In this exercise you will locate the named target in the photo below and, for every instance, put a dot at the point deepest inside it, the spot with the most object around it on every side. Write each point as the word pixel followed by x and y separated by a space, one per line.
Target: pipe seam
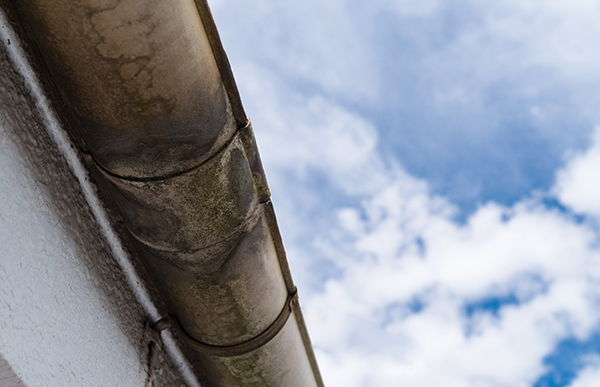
pixel 170 175
pixel 237 349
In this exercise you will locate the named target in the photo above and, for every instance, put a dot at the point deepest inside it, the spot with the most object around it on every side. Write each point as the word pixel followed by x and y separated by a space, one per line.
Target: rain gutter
pixel 153 101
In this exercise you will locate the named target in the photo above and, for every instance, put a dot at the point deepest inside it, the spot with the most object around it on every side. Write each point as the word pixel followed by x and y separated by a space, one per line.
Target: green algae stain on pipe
pixel 223 197
pixel 227 315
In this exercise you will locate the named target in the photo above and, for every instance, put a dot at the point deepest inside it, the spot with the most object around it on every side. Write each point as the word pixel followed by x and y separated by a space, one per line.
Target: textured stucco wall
pixel 67 314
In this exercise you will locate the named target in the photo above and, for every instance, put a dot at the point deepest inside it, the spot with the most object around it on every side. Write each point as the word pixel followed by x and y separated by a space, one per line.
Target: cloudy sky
pixel 435 167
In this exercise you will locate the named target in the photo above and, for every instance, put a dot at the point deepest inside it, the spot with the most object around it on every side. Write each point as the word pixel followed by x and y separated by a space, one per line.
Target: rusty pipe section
pixel 149 88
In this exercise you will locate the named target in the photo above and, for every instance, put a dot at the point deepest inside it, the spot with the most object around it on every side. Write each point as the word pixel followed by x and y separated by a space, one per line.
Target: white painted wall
pixel 55 325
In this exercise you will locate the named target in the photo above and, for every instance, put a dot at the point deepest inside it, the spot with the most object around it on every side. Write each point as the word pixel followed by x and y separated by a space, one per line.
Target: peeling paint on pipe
pixel 155 104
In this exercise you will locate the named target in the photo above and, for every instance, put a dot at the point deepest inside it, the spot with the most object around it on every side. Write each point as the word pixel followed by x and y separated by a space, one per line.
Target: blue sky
pixel 434 170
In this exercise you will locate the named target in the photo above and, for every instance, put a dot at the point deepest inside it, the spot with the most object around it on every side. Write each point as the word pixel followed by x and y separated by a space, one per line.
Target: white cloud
pixel 409 8
pixel 476 90
pixel 311 41
pixel 578 185
pixel 309 133
pixel 331 44
pixel 405 304
pixel 589 376
pixel 407 247
pixel 365 315
pixel 406 269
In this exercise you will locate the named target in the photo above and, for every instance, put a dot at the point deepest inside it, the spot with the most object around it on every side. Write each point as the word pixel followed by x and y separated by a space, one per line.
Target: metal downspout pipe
pixel 152 96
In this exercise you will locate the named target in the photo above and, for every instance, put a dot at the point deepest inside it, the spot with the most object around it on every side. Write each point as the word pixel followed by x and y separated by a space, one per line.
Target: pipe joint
pixel 194 210
pixel 237 349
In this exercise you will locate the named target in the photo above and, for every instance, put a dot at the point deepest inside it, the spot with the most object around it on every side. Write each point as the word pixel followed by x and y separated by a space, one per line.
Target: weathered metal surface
pixel 140 78
pixel 222 62
pixel 239 349
pixel 258 173
pixel 289 283
pixel 65 302
pixel 283 358
pixel 236 300
pixel 182 167
pixel 197 209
